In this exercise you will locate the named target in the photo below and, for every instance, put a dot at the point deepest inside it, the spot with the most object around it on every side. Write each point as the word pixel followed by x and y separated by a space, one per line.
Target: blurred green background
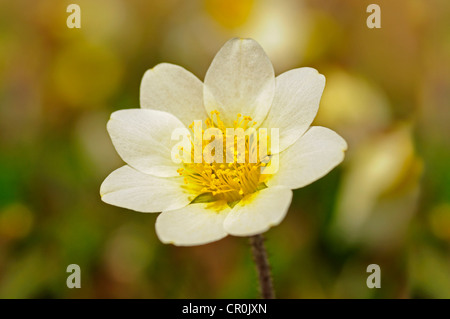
pixel 387 94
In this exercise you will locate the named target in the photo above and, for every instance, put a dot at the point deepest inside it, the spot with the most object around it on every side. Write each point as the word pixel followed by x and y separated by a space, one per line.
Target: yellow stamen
pixel 225 181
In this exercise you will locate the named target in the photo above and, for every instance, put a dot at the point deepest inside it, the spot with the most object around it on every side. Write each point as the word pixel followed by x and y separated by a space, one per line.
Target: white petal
pixel 258 212
pixel 311 157
pixel 295 104
pixel 129 188
pixel 173 89
pixel 195 224
pixel 240 80
pixel 143 140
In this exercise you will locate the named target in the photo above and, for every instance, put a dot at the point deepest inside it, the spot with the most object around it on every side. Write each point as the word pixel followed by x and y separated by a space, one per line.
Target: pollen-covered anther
pixel 227 181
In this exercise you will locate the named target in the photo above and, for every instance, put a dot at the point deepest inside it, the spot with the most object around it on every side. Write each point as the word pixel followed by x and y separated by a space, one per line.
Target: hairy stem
pixel 262 264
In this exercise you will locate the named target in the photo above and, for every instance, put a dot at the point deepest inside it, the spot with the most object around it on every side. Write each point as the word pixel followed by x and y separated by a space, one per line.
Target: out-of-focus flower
pixel 354 107
pixel 282 28
pixel 379 190
pixel 212 199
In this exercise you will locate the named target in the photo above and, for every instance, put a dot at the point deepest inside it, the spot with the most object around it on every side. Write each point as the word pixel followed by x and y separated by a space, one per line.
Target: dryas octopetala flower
pixel 204 201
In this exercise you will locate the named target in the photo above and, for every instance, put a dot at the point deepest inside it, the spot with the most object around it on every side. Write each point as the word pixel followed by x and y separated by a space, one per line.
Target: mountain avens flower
pixel 224 192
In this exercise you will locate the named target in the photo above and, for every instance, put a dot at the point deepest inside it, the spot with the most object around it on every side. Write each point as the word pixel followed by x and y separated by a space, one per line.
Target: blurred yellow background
pixel 387 94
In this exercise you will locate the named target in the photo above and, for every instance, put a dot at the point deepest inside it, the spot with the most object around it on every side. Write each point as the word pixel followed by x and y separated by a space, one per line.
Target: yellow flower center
pixel 226 179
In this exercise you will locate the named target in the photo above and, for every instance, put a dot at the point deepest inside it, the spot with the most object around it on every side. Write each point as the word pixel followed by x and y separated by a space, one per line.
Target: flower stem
pixel 262 264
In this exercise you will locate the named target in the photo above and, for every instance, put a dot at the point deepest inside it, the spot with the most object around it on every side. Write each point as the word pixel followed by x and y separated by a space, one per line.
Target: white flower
pixel 202 202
